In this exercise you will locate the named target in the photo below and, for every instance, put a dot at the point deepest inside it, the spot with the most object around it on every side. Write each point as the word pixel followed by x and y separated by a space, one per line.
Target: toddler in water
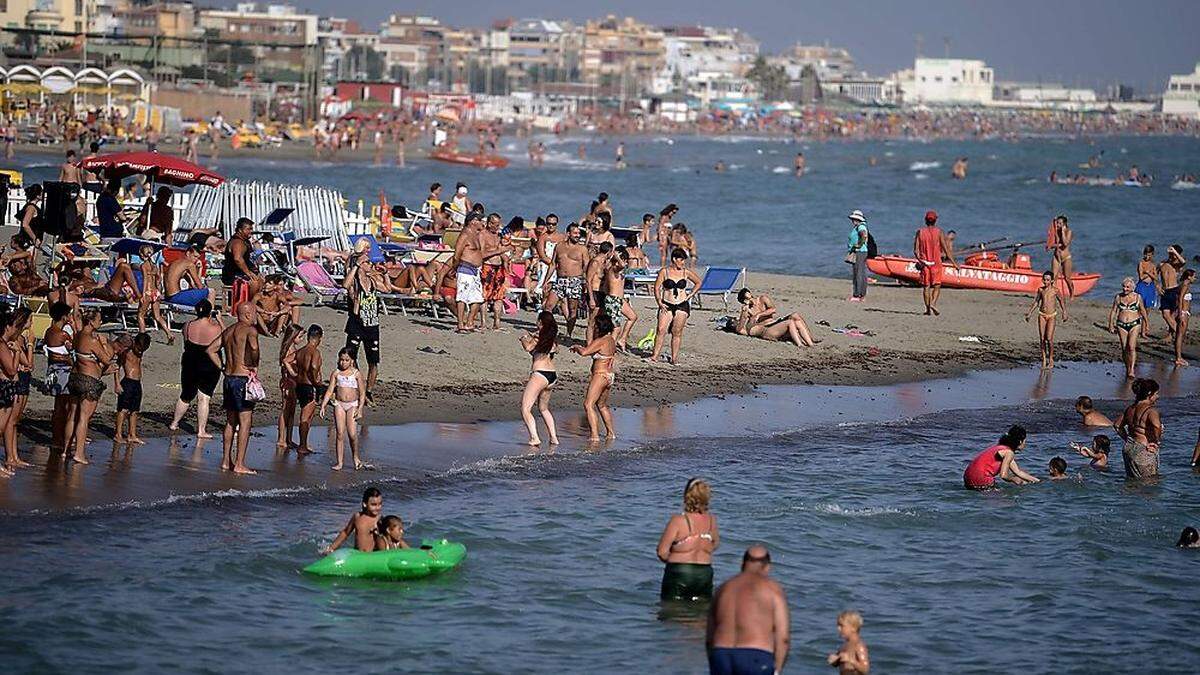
pixel 1090 417
pixel 1058 469
pixel 390 534
pixel 363 525
pixel 347 391
pixel 129 390
pixel 1098 452
pixel 852 658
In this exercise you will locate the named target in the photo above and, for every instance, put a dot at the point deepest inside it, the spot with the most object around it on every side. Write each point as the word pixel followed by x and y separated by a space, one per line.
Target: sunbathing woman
pixel 1183 312
pixel 1129 320
pixel 602 349
pixel 152 293
pixel 541 347
pixel 1045 303
pixel 674 303
pixel 762 324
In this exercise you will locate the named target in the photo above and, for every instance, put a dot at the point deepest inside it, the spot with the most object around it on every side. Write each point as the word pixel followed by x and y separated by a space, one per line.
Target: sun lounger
pixel 643 280
pixel 318 282
pixel 374 254
pixel 720 281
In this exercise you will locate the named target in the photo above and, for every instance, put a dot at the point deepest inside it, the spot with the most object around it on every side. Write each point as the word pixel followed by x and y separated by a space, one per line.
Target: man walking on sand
pixel 749 628
pixel 929 246
pixel 240 343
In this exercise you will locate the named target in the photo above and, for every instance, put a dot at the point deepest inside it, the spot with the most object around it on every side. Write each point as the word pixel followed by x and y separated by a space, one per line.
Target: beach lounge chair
pixel 720 281
pixel 374 254
pixel 318 282
pixel 645 281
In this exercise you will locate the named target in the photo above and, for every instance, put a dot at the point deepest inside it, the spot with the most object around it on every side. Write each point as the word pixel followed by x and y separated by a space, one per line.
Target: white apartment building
pixel 1044 94
pixel 705 63
pixel 829 62
pixel 950 82
pixel 1182 96
pixel 862 89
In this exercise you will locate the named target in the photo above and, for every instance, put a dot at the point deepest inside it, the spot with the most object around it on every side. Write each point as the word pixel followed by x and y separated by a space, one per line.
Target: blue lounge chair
pixel 374 254
pixel 720 281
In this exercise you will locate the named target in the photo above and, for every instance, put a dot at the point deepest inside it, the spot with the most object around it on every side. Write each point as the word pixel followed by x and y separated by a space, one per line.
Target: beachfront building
pixel 292 34
pixel 1182 96
pixel 542 50
pixel 828 62
pixel 950 82
pixel 413 48
pixel 64 15
pixel 705 63
pixel 87 87
pixel 621 56
pixel 160 19
pixel 862 89
pixel 1042 95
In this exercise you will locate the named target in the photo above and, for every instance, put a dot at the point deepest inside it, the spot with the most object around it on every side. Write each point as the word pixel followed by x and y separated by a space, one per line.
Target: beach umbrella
pixel 158 167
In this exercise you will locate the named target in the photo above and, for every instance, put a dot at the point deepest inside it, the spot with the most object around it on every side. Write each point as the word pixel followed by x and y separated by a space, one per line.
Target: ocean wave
pixel 781 169
pixel 835 509
pixel 923 166
pixel 920 176
pixel 1184 185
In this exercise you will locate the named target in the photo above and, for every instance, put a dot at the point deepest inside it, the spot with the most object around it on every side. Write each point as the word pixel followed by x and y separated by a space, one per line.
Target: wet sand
pixel 179 469
pixel 481 376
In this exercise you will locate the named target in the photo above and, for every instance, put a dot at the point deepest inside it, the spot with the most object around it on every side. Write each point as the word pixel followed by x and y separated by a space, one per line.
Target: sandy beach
pixel 480 376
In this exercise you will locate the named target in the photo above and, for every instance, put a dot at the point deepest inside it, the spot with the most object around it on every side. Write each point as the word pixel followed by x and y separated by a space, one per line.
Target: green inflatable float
pixel 434 555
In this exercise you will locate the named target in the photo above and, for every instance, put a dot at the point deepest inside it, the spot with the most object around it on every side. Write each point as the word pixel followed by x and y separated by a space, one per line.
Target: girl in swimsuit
pixel 23 349
pixel 687 544
pixel 1044 303
pixel 1183 313
pixel 664 231
pixel 8 388
pixel 1061 264
pixel 1141 428
pixel 541 346
pixel 1128 313
pixel 56 343
pixel 1147 273
pixel 347 391
pixel 674 303
pixel 602 349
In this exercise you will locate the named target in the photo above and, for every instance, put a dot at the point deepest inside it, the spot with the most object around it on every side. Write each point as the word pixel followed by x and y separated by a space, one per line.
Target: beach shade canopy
pixel 160 168
pixel 133 245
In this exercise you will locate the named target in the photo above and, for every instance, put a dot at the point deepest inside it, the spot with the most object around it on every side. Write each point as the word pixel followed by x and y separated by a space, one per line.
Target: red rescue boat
pixel 983 271
pixel 478 160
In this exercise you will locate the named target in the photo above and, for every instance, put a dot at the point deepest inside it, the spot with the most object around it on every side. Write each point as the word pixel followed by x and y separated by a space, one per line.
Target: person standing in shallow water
pixel 1141 428
pixel 749 627
pixel 687 544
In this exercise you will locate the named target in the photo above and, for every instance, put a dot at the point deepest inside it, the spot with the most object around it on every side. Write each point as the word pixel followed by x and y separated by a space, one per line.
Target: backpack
pixel 872 247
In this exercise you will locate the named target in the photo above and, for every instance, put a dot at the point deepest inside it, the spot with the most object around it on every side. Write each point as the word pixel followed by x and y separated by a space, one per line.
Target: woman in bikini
pixel 674 303
pixel 603 350
pixel 152 294
pixel 22 346
pixel 1129 319
pixel 687 544
pixel 8 390
pixel 347 389
pixel 664 231
pixel 94 358
pixel 757 319
pixel 1047 303
pixel 56 343
pixel 1141 428
pixel 1062 265
pixel 1183 312
pixel 541 347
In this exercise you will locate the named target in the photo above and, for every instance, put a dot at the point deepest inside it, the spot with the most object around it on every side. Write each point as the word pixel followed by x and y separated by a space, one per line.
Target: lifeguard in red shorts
pixel 929 246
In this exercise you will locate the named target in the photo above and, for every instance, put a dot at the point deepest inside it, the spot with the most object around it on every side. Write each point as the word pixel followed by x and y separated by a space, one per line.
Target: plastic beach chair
pixel 375 253
pixel 720 281
pixel 317 280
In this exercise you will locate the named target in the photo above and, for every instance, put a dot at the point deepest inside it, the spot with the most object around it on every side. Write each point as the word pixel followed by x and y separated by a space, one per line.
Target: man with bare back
pixel 240 344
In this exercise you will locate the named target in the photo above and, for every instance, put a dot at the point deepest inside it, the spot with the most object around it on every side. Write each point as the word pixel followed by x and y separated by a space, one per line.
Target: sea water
pixel 758 215
pixel 1076 576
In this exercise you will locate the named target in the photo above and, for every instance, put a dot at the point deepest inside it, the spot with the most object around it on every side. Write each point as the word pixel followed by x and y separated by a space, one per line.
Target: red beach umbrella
pixel 160 168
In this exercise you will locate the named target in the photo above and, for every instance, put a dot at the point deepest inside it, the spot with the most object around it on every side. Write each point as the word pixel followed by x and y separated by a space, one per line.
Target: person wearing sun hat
pixel 856 255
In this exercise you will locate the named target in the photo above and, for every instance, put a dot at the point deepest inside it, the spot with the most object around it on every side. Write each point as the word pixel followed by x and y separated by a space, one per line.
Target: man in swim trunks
pixel 468 258
pixel 748 623
pixel 186 267
pixel 492 273
pixel 239 271
pixel 548 239
pixel 929 246
pixel 240 344
pixel 1168 289
pixel 568 261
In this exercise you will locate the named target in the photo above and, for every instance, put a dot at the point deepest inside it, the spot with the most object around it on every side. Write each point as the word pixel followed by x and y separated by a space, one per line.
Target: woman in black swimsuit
pixel 542 347
pixel 674 303
pixel 198 375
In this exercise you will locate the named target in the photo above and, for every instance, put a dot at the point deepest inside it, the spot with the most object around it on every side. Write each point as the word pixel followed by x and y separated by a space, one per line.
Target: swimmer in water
pixel 999 461
pixel 362 524
pixel 687 544
pixel 1091 418
pixel 1058 468
pixel 852 658
pixel 389 534
pixel 1097 451
pixel 1047 303
pixel 1189 538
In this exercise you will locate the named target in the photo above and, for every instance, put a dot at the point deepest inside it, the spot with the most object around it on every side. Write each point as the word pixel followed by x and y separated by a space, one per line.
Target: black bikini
pixel 676 285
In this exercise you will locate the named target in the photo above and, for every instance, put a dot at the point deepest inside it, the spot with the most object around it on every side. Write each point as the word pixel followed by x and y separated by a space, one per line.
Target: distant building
pixel 64 15
pixel 705 63
pixel 1182 96
pixel 543 50
pixel 862 89
pixel 950 82
pixel 251 22
pixel 346 51
pixel 1039 93
pixel 163 19
pixel 621 56
pixel 828 62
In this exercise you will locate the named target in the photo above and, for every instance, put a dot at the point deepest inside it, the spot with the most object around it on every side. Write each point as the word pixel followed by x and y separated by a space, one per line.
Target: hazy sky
pixel 1086 42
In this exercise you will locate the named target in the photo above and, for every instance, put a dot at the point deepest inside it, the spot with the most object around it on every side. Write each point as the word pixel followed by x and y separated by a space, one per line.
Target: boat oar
pixel 983 244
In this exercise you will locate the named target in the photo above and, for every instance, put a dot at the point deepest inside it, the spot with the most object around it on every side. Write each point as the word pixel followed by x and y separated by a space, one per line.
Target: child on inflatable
pixel 362 524
pixel 390 534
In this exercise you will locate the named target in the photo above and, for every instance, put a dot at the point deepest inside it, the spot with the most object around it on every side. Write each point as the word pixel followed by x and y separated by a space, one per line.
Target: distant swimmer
pixel 999 461
pixel 719 167
pixel 621 155
pixel 1090 416
pixel 749 628
pixel 959 170
pixel 1189 538
pixel 1047 303
pixel 852 658
pixel 800 164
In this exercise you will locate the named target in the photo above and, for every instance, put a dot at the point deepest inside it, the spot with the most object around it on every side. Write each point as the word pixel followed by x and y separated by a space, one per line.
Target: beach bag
pixel 872 247
pixel 849 259
pixel 254 388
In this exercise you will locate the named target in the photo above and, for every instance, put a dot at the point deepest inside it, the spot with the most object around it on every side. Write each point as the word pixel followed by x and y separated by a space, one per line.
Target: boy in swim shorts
pixel 363 525
pixel 129 390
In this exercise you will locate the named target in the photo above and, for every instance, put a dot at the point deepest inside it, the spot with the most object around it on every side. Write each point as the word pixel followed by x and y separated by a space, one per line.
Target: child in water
pixel 1097 452
pixel 1058 469
pixel 1047 304
pixel 1091 417
pixel 347 390
pixel 362 525
pixel 852 658
pixel 390 534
